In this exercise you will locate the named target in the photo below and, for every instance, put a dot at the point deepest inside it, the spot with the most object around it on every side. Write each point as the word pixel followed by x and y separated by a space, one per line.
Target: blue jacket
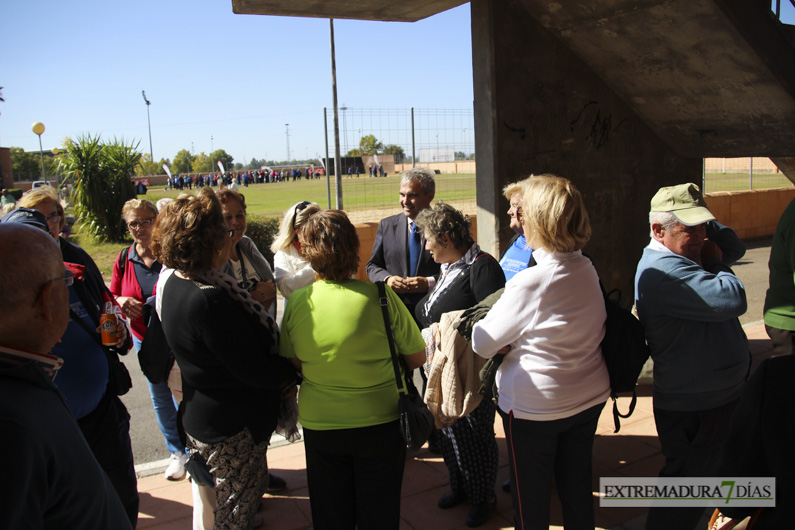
pixel 690 315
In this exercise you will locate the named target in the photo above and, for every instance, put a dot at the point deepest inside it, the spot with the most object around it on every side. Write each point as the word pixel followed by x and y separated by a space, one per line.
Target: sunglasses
pixel 298 208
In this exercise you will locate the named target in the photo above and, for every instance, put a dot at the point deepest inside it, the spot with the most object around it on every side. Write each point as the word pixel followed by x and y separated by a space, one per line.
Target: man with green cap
pixel 689 301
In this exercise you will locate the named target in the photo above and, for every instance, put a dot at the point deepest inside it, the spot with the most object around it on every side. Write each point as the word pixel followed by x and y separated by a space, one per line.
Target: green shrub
pixel 263 231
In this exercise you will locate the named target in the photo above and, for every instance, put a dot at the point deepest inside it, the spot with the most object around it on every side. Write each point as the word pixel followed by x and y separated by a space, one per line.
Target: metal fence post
pixel 751 173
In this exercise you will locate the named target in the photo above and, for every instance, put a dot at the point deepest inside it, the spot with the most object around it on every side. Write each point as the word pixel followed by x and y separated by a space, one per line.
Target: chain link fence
pixel 747 173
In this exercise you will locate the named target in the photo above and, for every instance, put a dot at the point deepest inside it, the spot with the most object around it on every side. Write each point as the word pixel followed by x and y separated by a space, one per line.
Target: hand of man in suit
pixel 417 284
pixel 398 284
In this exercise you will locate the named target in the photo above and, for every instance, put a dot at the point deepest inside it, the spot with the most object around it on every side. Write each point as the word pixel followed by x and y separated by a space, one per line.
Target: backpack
pixel 156 357
pixel 625 352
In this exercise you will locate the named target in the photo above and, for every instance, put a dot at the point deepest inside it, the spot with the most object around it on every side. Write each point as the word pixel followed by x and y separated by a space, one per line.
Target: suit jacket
pixel 390 256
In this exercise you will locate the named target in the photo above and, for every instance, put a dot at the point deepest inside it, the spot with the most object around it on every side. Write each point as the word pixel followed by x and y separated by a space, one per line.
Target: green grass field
pixel 360 196
pixel 741 181
pixel 364 199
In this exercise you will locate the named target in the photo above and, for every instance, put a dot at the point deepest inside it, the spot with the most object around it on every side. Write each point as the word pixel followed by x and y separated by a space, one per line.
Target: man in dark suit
pixel 399 257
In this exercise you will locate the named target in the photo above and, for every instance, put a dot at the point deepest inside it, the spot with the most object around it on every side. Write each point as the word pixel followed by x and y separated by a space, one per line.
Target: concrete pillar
pixel 540 109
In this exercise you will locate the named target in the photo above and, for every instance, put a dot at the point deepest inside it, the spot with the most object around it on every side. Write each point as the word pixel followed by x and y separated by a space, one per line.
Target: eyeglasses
pixel 298 208
pixel 54 218
pixel 143 223
pixel 68 278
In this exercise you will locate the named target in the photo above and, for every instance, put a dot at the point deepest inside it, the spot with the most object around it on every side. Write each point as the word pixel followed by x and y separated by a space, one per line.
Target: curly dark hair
pixel 440 219
pixel 330 244
pixel 189 232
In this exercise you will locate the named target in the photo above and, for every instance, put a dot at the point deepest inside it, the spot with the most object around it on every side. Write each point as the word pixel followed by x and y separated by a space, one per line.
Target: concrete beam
pixel 786 165
pixel 710 77
pixel 383 10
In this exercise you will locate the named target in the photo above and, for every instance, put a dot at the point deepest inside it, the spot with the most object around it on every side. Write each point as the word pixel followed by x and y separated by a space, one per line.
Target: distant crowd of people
pixel 242 178
pixel 196 286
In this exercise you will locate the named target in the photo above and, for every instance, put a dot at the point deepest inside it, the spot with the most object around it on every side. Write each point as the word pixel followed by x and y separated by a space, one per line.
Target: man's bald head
pixel 31 260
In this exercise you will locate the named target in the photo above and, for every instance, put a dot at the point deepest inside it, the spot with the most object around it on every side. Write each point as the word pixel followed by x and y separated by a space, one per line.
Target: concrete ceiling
pixel 712 78
pixel 384 10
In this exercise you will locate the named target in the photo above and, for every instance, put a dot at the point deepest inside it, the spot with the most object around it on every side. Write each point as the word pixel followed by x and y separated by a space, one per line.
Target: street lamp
pixel 38 129
pixel 149 121
pixel 212 150
pixel 343 108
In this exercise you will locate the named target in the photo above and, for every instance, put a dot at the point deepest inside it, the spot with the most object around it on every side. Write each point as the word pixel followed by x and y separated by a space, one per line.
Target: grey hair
pixel 441 219
pixel 666 219
pixel 423 175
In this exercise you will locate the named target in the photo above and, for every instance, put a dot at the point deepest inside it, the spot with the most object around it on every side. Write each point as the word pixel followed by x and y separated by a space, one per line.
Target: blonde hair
pixel 137 204
pixel 513 187
pixel 293 218
pixel 37 196
pixel 554 214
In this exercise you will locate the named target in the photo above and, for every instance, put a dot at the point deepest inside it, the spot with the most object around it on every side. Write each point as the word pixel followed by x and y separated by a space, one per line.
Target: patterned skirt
pixel 240 468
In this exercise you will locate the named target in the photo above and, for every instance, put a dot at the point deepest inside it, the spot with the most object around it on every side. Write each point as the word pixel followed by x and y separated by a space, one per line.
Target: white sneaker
pixel 176 466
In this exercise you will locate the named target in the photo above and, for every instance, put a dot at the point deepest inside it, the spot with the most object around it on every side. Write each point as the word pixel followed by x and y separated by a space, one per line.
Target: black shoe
pixel 481 512
pixel 275 484
pixel 506 486
pixel 450 499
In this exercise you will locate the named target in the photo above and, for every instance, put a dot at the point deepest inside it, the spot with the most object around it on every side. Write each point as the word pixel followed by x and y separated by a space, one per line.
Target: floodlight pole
pixel 149 121
pixel 413 157
pixel 337 159
pixel 328 182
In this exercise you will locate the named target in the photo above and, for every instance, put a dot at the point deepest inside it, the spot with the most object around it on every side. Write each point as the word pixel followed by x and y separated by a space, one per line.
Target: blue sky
pixel 79 67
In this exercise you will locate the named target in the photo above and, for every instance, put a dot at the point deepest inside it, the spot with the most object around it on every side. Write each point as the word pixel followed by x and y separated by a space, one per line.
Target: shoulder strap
pixel 383 301
pixel 471 277
pixel 123 259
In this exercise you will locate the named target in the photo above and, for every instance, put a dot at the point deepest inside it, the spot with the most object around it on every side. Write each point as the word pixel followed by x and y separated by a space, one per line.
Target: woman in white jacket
pixel 292 271
pixel 553 382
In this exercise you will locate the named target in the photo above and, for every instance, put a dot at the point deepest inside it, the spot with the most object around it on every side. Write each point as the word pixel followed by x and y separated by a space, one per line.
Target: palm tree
pixel 101 173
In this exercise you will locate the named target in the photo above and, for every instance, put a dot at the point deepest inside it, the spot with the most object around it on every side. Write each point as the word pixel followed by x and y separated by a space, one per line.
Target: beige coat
pixel 453 378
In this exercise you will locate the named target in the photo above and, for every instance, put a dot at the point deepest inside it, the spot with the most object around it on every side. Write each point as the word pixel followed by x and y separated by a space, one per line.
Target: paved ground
pixel 633 452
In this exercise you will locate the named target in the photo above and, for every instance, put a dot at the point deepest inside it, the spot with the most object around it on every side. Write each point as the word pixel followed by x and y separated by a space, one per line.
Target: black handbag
pixel 416 421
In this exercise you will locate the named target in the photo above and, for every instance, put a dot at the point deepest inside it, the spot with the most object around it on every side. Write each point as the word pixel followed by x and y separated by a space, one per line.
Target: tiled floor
pixel 634 451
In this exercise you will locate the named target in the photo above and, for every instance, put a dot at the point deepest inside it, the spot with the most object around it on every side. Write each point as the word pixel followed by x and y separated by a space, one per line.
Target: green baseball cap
pixel 685 201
